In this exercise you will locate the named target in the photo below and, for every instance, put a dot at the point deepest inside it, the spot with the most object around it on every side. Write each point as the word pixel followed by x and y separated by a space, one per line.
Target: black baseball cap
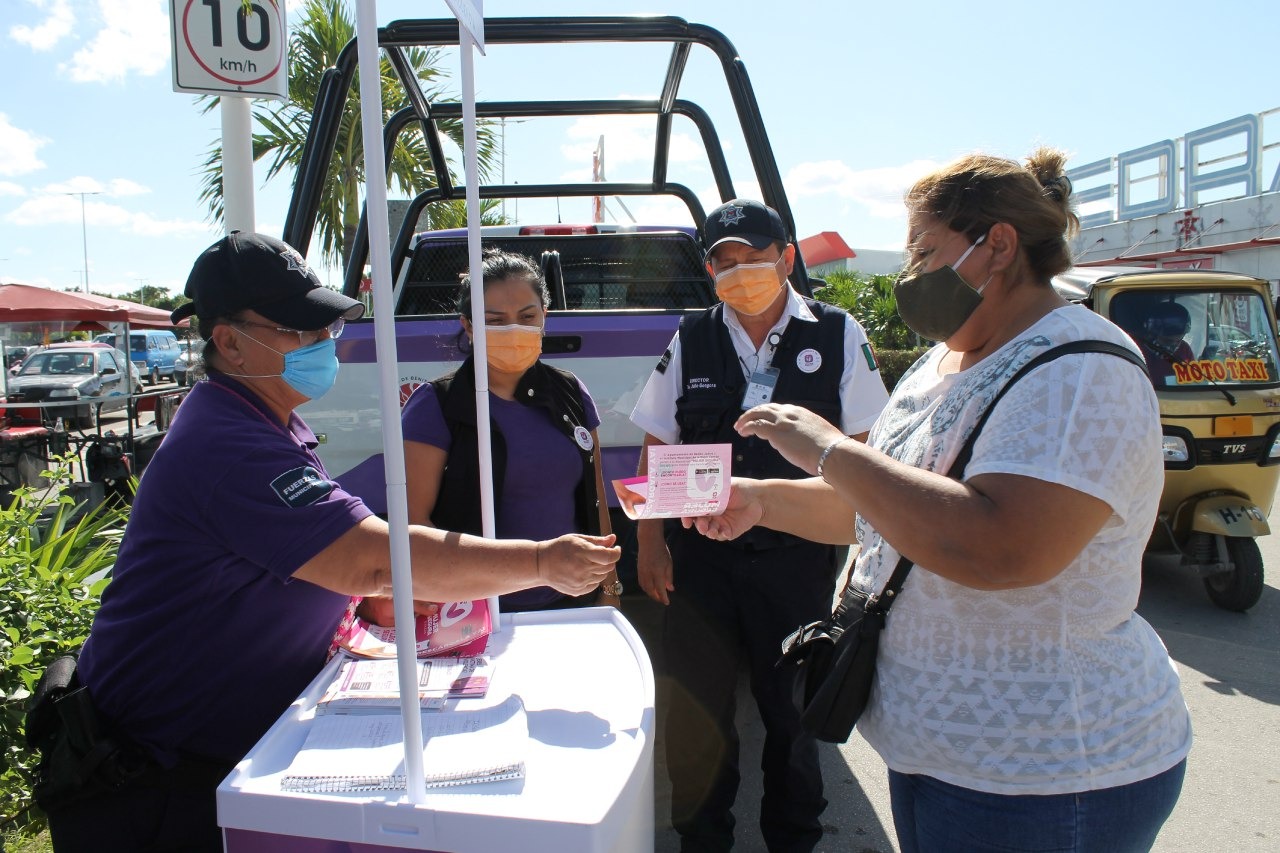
pixel 743 221
pixel 247 271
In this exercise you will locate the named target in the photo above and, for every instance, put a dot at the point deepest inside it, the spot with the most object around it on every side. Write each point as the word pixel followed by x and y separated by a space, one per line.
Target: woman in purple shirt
pixel 240 558
pixel 546 453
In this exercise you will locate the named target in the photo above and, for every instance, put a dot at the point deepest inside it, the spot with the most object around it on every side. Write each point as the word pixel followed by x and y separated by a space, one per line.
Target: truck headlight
pixel 1175 449
pixel 1274 452
pixel 64 393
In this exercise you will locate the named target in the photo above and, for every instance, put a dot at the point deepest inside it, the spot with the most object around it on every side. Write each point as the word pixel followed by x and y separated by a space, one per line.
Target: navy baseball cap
pixel 247 271
pixel 743 221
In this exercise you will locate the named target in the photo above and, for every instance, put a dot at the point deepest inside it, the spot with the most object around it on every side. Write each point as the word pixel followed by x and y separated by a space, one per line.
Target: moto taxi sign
pixel 230 47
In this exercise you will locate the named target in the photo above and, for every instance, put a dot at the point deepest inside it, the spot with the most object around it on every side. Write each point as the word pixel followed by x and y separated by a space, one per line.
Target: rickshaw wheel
pixel 1240 588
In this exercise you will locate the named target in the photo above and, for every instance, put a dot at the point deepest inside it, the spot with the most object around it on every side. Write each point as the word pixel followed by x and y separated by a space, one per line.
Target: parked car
pixel 13 357
pixel 154 351
pixel 188 357
pixel 86 376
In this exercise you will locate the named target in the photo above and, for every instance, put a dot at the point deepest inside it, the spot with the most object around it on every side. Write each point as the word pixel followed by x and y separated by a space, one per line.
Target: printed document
pixel 683 480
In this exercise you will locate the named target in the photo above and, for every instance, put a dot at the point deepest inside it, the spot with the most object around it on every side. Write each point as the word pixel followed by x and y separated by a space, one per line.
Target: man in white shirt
pixel 734 601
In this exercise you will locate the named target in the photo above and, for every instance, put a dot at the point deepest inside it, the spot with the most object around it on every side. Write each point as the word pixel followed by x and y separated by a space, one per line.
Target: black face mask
pixel 936 304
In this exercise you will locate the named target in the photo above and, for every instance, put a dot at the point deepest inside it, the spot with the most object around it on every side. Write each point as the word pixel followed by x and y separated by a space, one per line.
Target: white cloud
pixel 78 184
pixel 18 149
pixel 654 210
pixel 123 187
pixel 147 226
pixel 50 31
pixel 880 191
pixel 627 140
pixel 114 188
pixel 7 188
pixel 54 208
pixel 134 37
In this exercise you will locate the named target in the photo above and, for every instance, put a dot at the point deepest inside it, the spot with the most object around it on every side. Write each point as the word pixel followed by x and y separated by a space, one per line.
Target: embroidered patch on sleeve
pixel 301 486
pixel 664 362
pixel 870 356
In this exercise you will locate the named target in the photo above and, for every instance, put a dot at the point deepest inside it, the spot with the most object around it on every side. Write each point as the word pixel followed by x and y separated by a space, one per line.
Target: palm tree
pixel 320 34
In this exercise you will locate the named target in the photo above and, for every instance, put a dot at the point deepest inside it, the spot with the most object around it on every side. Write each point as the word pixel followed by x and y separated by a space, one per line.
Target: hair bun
pixel 1057 188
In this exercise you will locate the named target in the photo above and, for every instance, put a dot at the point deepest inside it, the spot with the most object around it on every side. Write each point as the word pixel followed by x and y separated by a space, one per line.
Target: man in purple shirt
pixel 239 560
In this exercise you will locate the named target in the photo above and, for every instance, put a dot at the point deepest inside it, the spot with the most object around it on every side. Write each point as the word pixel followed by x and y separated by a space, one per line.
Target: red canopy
pixel 24 303
pixel 824 247
pixel 140 316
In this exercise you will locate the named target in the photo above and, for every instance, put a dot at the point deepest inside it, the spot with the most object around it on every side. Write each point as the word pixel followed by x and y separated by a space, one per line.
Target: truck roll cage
pixel 398 36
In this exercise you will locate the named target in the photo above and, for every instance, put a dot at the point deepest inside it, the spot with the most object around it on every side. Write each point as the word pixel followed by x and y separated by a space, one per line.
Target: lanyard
pixel 775 338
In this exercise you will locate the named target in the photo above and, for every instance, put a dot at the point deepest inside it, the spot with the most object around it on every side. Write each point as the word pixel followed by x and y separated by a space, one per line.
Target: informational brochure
pixel 457 628
pixel 372 686
pixel 683 480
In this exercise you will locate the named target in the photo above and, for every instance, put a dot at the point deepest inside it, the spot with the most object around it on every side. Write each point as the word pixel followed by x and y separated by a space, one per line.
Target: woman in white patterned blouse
pixel 1019 703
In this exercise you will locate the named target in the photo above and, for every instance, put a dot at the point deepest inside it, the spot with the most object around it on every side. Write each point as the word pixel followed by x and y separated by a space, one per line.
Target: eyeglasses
pixel 304 338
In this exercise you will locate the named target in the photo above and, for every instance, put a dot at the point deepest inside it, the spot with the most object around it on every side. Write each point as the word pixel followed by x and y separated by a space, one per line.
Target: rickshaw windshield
pixel 1200 338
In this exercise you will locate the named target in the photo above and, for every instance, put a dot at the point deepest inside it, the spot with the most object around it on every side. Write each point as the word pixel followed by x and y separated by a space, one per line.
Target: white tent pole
pixel 384 334
pixel 466 44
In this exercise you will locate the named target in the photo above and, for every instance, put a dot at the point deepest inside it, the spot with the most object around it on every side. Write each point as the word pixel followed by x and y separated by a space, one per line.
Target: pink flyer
pixel 684 480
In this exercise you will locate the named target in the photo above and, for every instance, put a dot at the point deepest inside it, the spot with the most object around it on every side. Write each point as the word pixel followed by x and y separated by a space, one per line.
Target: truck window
pixel 661 270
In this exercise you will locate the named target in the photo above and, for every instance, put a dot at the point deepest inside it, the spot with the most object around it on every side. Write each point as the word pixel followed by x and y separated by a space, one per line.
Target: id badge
pixel 760 388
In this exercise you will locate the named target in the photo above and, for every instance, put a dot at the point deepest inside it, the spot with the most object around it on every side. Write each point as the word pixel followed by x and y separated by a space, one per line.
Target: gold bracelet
pixel 826 451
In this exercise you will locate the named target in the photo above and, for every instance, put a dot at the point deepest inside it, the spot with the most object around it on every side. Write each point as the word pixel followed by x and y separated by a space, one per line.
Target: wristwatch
pixel 614 589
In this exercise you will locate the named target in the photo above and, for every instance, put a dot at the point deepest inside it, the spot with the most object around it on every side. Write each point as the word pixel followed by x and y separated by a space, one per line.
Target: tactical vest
pixel 556 391
pixel 713 385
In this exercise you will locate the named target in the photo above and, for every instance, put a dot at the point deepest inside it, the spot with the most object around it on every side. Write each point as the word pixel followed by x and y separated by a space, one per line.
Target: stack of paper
pixel 373 687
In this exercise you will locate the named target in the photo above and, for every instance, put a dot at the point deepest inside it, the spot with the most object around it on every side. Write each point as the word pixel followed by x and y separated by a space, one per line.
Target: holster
pixel 78 755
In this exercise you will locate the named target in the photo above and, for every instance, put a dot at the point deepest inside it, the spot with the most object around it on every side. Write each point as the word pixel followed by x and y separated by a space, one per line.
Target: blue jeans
pixel 934 817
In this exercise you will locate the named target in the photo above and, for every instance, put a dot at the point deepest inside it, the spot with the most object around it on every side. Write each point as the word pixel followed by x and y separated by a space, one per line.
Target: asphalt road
pixel 1230 669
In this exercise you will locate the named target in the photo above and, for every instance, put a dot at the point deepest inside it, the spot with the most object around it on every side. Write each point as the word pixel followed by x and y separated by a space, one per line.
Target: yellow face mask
pixel 749 288
pixel 513 349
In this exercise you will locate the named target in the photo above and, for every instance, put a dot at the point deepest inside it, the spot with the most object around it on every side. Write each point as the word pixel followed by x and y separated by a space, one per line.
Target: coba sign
pixel 1224 160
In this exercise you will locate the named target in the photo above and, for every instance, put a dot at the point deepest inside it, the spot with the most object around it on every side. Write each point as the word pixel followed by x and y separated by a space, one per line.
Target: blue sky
pixel 858 98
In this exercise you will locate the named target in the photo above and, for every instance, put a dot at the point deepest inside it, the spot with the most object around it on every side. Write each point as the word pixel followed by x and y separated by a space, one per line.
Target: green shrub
pixel 894 362
pixel 870 299
pixel 55 560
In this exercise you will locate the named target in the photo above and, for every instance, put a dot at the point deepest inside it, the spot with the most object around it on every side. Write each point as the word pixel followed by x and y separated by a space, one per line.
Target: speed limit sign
pixel 230 47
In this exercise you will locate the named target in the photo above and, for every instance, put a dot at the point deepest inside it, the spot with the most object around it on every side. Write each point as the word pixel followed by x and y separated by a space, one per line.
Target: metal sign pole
pixel 237 163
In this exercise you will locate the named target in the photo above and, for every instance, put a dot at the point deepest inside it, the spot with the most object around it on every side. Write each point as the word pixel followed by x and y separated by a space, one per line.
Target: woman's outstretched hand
pixel 798 434
pixel 742 513
pixel 575 563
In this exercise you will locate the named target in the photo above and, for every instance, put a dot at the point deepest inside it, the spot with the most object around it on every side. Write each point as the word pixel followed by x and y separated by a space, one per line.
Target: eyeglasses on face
pixel 305 338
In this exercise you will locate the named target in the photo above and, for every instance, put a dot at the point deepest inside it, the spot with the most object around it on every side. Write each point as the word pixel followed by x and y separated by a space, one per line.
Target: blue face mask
pixel 309 370
pixel 312 370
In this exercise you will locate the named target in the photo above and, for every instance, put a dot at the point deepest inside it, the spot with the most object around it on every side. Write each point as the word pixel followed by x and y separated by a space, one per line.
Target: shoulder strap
pixel 443 385
pixel 956 471
pixel 884 600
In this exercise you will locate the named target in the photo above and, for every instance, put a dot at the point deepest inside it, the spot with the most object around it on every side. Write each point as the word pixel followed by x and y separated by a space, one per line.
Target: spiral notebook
pixel 345 754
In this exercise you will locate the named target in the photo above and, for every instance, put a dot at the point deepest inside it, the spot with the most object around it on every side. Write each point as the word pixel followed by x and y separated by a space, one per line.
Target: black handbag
pixel 832 663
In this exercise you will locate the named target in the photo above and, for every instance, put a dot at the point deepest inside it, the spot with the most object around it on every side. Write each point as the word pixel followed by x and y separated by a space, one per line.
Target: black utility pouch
pixel 77 758
pixel 42 722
